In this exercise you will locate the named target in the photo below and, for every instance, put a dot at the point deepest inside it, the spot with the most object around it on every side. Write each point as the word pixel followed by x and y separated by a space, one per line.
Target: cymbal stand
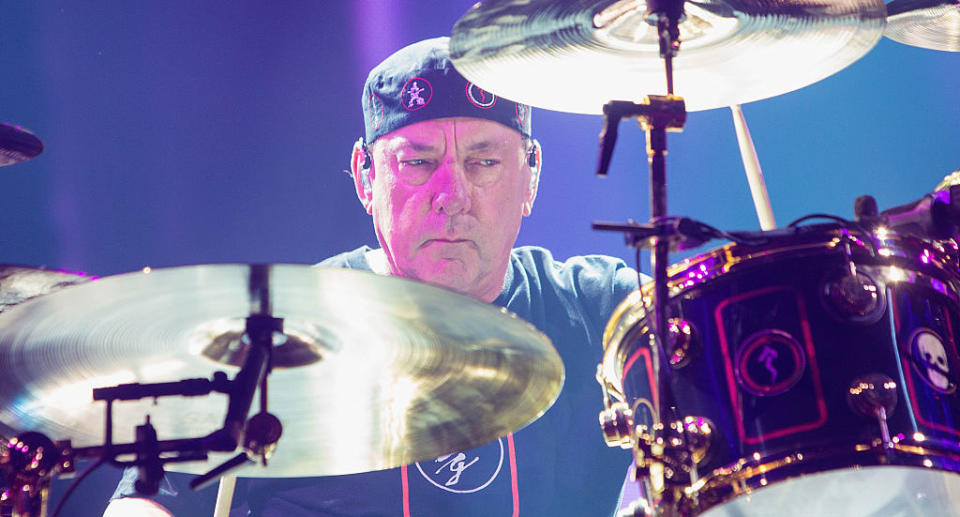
pixel 260 432
pixel 656 114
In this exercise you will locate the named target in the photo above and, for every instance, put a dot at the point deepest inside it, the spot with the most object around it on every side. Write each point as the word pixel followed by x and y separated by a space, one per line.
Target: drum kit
pixel 808 370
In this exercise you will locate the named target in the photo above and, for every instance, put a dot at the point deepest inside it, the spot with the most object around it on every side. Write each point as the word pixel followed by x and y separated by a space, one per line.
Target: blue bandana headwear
pixel 419 83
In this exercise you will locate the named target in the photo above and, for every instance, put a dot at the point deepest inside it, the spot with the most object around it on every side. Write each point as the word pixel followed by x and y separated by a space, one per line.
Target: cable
pixel 834 218
pixel 844 223
pixel 739 238
pixel 76 482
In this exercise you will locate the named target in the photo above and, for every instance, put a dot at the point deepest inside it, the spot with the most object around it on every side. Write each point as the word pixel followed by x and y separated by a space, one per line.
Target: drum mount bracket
pixel 666 454
pixel 681 232
pixel 30 460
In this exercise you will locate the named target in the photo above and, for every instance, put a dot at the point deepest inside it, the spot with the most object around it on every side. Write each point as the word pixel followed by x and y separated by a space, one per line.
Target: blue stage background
pixel 183 132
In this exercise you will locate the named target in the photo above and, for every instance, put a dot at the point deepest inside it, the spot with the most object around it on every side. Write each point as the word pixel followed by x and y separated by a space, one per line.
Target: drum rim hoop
pixel 722 487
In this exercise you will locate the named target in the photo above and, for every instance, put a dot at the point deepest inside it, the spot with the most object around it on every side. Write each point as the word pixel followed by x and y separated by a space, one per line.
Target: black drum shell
pixel 739 299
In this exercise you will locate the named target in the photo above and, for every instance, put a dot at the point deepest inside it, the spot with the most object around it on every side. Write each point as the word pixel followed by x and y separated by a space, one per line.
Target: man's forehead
pixel 431 134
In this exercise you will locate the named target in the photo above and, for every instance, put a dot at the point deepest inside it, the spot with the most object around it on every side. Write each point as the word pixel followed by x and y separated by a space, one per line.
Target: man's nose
pixel 452 188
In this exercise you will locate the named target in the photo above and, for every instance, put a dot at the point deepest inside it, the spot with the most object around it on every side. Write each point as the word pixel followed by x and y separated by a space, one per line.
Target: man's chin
pixel 450 274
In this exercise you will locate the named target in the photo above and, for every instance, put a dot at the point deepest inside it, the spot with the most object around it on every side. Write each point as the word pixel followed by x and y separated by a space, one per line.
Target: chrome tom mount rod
pixel 665 453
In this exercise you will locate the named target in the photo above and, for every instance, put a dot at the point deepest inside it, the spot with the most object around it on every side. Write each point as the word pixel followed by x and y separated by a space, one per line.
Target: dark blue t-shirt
pixel 558 465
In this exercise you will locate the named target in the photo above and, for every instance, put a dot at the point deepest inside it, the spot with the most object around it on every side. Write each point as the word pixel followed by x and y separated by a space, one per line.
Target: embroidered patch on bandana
pixel 479 97
pixel 416 94
pixel 376 111
pixel 523 111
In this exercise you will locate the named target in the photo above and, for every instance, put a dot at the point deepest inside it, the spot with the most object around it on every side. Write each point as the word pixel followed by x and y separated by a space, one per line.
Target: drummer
pixel 447 171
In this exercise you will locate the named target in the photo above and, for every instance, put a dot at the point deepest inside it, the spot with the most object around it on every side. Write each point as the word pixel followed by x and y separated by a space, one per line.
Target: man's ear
pixel 361 166
pixel 535 162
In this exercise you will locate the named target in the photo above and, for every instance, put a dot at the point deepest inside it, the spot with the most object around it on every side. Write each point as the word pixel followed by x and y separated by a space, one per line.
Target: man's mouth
pixel 445 241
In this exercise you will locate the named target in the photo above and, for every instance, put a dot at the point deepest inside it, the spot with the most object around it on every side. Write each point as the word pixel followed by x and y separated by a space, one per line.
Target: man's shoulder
pixel 353 259
pixel 535 257
pixel 577 272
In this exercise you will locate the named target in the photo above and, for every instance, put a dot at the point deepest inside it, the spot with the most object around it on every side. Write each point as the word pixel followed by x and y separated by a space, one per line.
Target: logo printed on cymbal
pixel 479 97
pixel 465 472
pixel 376 111
pixel 416 94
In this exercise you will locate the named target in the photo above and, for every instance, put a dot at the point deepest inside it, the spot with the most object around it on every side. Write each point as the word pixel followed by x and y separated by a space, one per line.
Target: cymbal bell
pixel 377 372
pixel 577 55
pixel 17 144
pixel 932 24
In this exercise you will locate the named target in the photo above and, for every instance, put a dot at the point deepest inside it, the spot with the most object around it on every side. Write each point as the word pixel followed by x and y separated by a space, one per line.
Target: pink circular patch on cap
pixel 376 111
pixel 416 94
pixel 479 97
pixel 523 112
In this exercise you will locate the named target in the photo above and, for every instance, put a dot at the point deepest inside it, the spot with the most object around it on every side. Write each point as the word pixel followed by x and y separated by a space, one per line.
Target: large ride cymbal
pixel 17 144
pixel 21 283
pixel 933 24
pixel 577 55
pixel 380 371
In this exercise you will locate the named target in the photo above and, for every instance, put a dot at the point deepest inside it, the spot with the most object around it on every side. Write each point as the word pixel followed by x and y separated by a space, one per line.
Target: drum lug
pixel 854 297
pixel 668 455
pixel 851 294
pixel 698 433
pixel 682 343
pixel 874 396
pixel 679 445
pixel 617 422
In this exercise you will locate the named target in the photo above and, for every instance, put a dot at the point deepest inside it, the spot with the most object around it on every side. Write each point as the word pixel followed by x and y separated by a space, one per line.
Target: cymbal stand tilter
pixel 261 432
pixel 31 460
pixel 661 463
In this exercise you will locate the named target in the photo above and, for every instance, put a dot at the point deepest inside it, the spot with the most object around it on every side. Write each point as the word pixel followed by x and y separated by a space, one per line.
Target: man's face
pixel 447 197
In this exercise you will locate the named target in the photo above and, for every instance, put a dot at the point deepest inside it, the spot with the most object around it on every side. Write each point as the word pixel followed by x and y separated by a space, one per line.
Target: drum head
pixel 883 491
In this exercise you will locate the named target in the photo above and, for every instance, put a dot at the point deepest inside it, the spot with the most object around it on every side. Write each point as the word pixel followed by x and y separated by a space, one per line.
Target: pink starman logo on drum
pixel 767 356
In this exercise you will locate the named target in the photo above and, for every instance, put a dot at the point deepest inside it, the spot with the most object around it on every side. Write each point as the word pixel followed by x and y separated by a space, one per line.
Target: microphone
pixel 935 215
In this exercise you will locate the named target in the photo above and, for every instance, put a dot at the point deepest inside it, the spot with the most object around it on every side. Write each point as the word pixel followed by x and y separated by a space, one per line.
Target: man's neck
pixel 377 260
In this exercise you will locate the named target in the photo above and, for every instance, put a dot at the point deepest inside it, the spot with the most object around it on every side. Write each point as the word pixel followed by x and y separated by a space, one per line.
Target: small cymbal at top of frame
pixel 932 24
pixel 17 144
pixel 577 55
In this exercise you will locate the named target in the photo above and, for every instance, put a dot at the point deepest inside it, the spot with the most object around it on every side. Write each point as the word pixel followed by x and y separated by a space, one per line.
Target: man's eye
pixel 487 163
pixel 414 163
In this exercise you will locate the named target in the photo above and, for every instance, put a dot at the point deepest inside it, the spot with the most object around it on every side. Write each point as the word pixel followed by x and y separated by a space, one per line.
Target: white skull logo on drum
pixel 931 359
